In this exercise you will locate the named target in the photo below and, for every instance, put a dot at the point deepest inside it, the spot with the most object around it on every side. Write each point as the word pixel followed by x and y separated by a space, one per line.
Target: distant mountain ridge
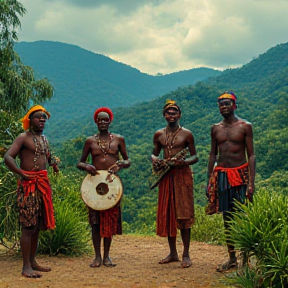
pixel 84 80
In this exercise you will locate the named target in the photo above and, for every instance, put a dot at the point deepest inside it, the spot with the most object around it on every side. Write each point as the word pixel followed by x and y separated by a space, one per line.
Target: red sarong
pixel 40 183
pixel 175 202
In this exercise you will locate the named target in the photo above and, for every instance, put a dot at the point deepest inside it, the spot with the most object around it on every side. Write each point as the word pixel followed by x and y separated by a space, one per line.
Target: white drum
pixel 102 191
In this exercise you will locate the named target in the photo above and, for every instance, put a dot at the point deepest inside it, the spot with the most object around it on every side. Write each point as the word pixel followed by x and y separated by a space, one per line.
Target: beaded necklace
pixel 41 148
pixel 169 144
pixel 104 145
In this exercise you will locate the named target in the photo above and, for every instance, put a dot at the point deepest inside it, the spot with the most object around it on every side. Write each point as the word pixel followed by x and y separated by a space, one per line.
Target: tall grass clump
pixel 71 235
pixel 208 228
pixel 260 232
pixel 9 224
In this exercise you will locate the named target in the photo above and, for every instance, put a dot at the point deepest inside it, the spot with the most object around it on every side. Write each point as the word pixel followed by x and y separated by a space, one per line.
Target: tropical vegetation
pixel 259 230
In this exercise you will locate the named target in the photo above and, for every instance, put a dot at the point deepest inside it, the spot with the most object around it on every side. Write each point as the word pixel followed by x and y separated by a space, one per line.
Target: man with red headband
pixel 231 166
pixel 104 148
pixel 175 195
pixel 34 195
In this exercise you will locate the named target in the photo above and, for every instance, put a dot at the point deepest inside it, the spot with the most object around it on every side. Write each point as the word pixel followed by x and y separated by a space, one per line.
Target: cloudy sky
pixel 161 36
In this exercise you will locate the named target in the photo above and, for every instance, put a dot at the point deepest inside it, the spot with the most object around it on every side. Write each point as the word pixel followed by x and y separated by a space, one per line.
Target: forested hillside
pixel 263 102
pixel 83 80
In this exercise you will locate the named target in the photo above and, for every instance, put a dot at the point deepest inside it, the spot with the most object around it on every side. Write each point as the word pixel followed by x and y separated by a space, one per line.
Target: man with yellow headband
pixel 175 195
pixel 231 166
pixel 34 195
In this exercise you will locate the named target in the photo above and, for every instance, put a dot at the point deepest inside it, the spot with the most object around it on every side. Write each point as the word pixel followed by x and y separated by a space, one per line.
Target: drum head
pixel 102 191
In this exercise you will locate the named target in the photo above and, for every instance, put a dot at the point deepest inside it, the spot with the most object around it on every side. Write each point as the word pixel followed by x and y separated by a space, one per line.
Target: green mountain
pixel 262 90
pixel 262 101
pixel 84 80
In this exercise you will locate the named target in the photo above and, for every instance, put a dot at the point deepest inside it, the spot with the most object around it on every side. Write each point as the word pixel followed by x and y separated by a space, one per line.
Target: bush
pixel 208 228
pixel 261 231
pixel 71 235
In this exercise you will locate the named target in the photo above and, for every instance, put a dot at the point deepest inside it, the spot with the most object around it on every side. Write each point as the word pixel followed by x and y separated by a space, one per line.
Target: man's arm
pixel 82 165
pixel 213 152
pixel 251 157
pixel 125 163
pixel 12 153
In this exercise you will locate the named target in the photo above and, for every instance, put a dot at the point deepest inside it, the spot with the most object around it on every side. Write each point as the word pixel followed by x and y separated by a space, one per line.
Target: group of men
pixel 231 173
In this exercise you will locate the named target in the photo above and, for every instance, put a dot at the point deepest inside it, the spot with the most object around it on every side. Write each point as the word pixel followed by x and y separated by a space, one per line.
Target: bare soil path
pixel 137 266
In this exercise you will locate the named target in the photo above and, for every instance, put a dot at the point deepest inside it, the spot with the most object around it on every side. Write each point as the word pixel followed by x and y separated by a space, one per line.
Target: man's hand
pixel 250 192
pixel 26 176
pixel 91 169
pixel 177 162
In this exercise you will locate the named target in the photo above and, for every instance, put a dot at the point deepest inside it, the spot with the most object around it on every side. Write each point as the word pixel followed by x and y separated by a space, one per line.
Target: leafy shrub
pixel 261 231
pixel 71 235
pixel 208 228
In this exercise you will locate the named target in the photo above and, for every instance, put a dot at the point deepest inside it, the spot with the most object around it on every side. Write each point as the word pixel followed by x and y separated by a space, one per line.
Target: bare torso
pixel 28 151
pixel 231 142
pixel 173 142
pixel 104 152
pixel 101 160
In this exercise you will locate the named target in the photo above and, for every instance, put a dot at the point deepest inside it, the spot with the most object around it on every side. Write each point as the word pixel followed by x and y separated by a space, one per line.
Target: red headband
pixel 103 109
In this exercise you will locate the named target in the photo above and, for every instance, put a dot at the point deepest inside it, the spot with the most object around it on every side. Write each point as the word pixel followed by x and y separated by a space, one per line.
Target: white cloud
pixel 161 36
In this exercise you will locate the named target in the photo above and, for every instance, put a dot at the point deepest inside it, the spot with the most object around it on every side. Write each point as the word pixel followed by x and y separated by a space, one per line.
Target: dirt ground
pixel 137 266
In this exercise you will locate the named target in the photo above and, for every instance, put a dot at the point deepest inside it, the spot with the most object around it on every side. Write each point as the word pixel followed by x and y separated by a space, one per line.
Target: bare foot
pixel 170 258
pixel 227 265
pixel 108 262
pixel 30 273
pixel 186 262
pixel 96 263
pixel 36 267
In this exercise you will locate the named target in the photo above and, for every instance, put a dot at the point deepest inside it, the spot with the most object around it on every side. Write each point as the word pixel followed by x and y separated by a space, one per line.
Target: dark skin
pixel 24 147
pixel 232 146
pixel 184 139
pixel 111 162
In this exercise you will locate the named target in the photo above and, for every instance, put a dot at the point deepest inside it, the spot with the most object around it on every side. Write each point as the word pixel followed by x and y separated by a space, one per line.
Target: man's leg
pixel 185 234
pixel 33 251
pixel 232 261
pixel 231 251
pixel 106 259
pixel 96 238
pixel 25 243
pixel 173 256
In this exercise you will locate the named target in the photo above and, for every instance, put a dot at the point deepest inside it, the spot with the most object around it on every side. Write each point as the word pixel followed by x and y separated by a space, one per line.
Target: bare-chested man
pixel 175 199
pixel 104 149
pixel 231 177
pixel 34 195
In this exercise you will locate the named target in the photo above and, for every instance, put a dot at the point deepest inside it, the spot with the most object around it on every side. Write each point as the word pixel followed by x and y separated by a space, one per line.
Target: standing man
pixel 175 199
pixel 34 195
pixel 104 149
pixel 231 167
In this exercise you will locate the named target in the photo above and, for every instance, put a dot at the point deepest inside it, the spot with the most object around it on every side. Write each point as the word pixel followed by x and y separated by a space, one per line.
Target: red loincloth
pixel 109 220
pixel 40 183
pixel 236 177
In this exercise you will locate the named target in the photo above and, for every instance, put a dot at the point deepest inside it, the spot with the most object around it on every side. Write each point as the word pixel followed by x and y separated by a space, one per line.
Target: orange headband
pixel 26 120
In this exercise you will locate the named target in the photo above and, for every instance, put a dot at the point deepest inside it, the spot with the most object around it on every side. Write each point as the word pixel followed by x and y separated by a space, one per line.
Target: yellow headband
pixel 26 121
pixel 227 95
pixel 171 104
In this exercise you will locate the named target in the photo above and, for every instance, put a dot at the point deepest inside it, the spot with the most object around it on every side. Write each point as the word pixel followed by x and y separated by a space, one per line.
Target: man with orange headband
pixel 175 195
pixel 34 195
pixel 231 166
pixel 104 148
